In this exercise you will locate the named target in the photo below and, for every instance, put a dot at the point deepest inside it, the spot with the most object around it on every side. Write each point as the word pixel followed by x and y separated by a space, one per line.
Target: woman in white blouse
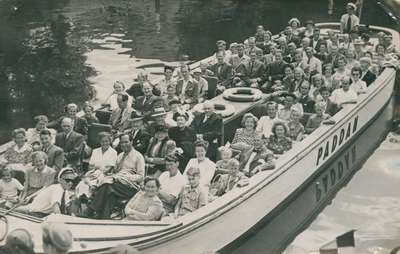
pixel 206 166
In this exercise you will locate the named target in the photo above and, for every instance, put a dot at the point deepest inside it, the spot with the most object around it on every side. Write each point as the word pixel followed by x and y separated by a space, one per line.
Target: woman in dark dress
pixel 184 138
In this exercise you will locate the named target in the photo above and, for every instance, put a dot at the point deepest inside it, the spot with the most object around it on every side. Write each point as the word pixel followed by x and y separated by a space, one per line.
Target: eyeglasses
pixel 68 180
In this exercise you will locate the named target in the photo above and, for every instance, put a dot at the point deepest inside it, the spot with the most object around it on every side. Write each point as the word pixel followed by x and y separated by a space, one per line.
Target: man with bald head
pixel 72 144
pixel 208 126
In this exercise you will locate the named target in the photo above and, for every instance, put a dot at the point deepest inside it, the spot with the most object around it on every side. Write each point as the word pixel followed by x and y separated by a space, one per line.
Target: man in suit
pixel 256 158
pixel 275 71
pixel 330 58
pixel 236 60
pixel 72 145
pixel 221 46
pixel 313 62
pixel 250 73
pixel 223 71
pixel 305 100
pixel 253 48
pixel 208 126
pixel 367 76
pixel 147 103
pixel 290 37
pixel 119 117
pixel 187 88
pixel 55 155
pixel 316 39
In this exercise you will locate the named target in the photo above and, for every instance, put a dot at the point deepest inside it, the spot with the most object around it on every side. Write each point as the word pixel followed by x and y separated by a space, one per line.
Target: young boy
pixel 170 96
pixel 222 166
pixel 192 196
pixel 112 99
pixel 317 119
pixel 205 71
pixel 330 107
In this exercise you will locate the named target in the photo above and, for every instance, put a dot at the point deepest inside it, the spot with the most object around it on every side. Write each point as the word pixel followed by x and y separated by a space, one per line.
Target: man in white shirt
pixel 172 183
pixel 266 122
pixel 315 63
pixel 345 95
pixel 349 21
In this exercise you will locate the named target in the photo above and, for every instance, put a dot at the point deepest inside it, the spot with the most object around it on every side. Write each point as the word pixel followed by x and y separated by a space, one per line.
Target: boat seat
pixel 212 86
pixel 20 176
pixel 103 115
pixel 94 131
pixel 259 111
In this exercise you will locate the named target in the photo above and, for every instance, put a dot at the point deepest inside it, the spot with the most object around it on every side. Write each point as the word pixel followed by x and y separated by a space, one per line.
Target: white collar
pixel 23 149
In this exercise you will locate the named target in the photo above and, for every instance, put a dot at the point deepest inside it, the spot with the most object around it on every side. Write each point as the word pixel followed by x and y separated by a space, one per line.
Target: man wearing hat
pixel 250 73
pixel 290 100
pixel 221 46
pixel 367 76
pixel 57 238
pixel 349 21
pixel 53 199
pixel 159 147
pixel 141 138
pixel 158 116
pixel 148 102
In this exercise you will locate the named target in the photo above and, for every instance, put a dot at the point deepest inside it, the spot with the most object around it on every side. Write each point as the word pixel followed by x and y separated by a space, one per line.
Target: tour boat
pixel 273 208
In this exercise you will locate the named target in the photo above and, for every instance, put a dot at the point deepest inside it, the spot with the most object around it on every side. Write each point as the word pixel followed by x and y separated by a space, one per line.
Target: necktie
pixel 62 205
pixel 349 24
pixel 251 67
pixel 309 60
pixel 205 119
pixel 119 120
pixel 121 162
pixel 219 68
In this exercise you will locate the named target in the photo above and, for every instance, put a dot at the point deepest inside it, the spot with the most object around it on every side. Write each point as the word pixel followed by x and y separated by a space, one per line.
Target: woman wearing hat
pixel 158 116
pixel 309 29
pixel 184 138
pixel 159 147
pixel 294 23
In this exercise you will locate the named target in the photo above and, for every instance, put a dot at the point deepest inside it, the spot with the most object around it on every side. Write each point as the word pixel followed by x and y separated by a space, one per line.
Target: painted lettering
pixel 334 142
pixel 326 154
pixel 325 182
pixel 318 192
pixel 320 150
pixel 355 124
pixel 341 136
pixel 333 176
pixel 353 155
pixel 340 169
pixel 348 131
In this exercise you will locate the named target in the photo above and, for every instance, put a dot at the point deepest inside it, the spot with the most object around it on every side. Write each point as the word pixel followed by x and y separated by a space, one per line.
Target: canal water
pixel 56 52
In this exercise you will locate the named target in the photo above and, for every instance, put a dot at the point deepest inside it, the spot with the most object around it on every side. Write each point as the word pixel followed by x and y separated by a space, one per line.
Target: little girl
pixel 296 129
pixel 316 82
pixel 9 188
pixel 112 99
pixel 222 166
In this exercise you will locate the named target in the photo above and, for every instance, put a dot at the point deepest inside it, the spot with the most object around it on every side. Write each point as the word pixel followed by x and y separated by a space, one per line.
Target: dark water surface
pixel 56 52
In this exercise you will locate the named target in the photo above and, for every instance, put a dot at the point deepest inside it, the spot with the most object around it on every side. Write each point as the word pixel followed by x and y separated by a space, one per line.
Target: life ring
pixel 243 94
pixel 223 110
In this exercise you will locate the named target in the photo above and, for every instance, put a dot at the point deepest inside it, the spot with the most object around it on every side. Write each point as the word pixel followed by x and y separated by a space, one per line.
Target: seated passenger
pixel 321 51
pixel 38 177
pixel 250 73
pixel 305 100
pixel 290 57
pixel 290 101
pixel 317 81
pixel 148 102
pixel 172 183
pixel 203 85
pixel 283 46
pixel 238 59
pixel 170 96
pixel 136 90
pixel 55 155
pixel 341 71
pixel 223 71
pixel 20 152
pixel 315 63
pixel 351 62
pixel 367 76
pixel 309 32
pixel 221 47
pixel 222 167
pixel 141 138
pixel 379 54
pixel 278 143
pixel 330 81
pixel 233 49
pixel 296 129
pixel 390 47
pixel 193 196
pixel 119 117
pixel 145 205
pixel 90 118
pixel 259 36
pixel 244 136
pixel 187 89
pixel 10 189
pixel 33 134
pixel 317 119
pixel 53 199
pixel 330 107
pixel 79 124
pixel 316 40
pixel 345 95
pixel 275 71
pixel 158 116
pixel 101 163
pixel 269 57
pixel 204 70
pixel 226 182
pixel 288 83
pixel 266 122
pixel 168 80
pixel 72 145
pixel 123 183
pixel 256 158
pixel 358 85
pixel 294 23
pixel 204 164
pixel 332 56
pixel 159 147
pixel 265 43
pixel 175 107
pixel 111 101
pixel 346 44
pixel 253 48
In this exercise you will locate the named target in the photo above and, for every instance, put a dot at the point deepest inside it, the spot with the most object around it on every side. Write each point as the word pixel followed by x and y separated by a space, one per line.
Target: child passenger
pixel 119 87
pixel 9 188
pixel 222 166
pixel 317 119
pixel 193 196
pixel 296 129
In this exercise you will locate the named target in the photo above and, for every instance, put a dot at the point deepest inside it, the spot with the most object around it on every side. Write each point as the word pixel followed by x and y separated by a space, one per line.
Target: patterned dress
pixel 14 155
pixel 243 136
pixel 279 147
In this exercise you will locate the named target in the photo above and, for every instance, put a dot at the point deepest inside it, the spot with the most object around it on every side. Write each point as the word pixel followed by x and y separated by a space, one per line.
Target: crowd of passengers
pixel 160 160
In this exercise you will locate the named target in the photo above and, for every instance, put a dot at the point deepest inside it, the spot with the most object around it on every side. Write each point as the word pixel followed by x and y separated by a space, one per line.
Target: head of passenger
pixel 282 42
pixel 387 40
pixel 249 122
pixel 151 186
pixel 252 42
pixel 380 49
pixel 289 100
pixel 319 108
pixel 272 48
pixel 39 160
pixel 334 50
pixel 193 176
pixel 298 57
pixel 309 52
pixel 197 75
pixel 298 74
pixel 305 42
pixel 119 86
pixel 105 140
pixel 260 29
pixel 292 47
pixel 341 62
pixel 66 178
pixel 252 56
pixel 161 132
pixel 322 48
pixel 267 36
pixel 365 63
pixel 142 77
pixel 327 69
pixel 126 141
pixel 305 88
pixel 240 49
pixel 136 121
pixel 175 105
pixel 203 66
pixel 57 238
pixel 66 125
pixel 324 92
pixel 272 108
pixel 346 82
pixel 147 89
pixel 122 100
pixel 369 55
pixel 258 141
pixel 40 122
pixel 233 165
pixel 288 70
pixel 200 150
pixel 233 48
pixel 181 120
pixel 7 174
pixel 280 129
pixel 316 33
pixel 350 54
pixel 185 69
pixel 226 154
pixel 71 110
pixel 289 30
pixel 278 56
pixel 45 138
pixel 295 115
pixel 221 45
pixel 208 108
pixel 20 241
pixel 88 110
pixel 356 73
pixel 168 72
pixel 172 164
pixel 317 80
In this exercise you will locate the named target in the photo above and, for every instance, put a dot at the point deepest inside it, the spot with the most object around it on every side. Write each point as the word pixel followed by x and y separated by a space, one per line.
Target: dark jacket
pixel 72 147
pixel 225 76
pixel 55 157
pixel 257 71
pixel 369 78
pixel 308 104
pixel 141 141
